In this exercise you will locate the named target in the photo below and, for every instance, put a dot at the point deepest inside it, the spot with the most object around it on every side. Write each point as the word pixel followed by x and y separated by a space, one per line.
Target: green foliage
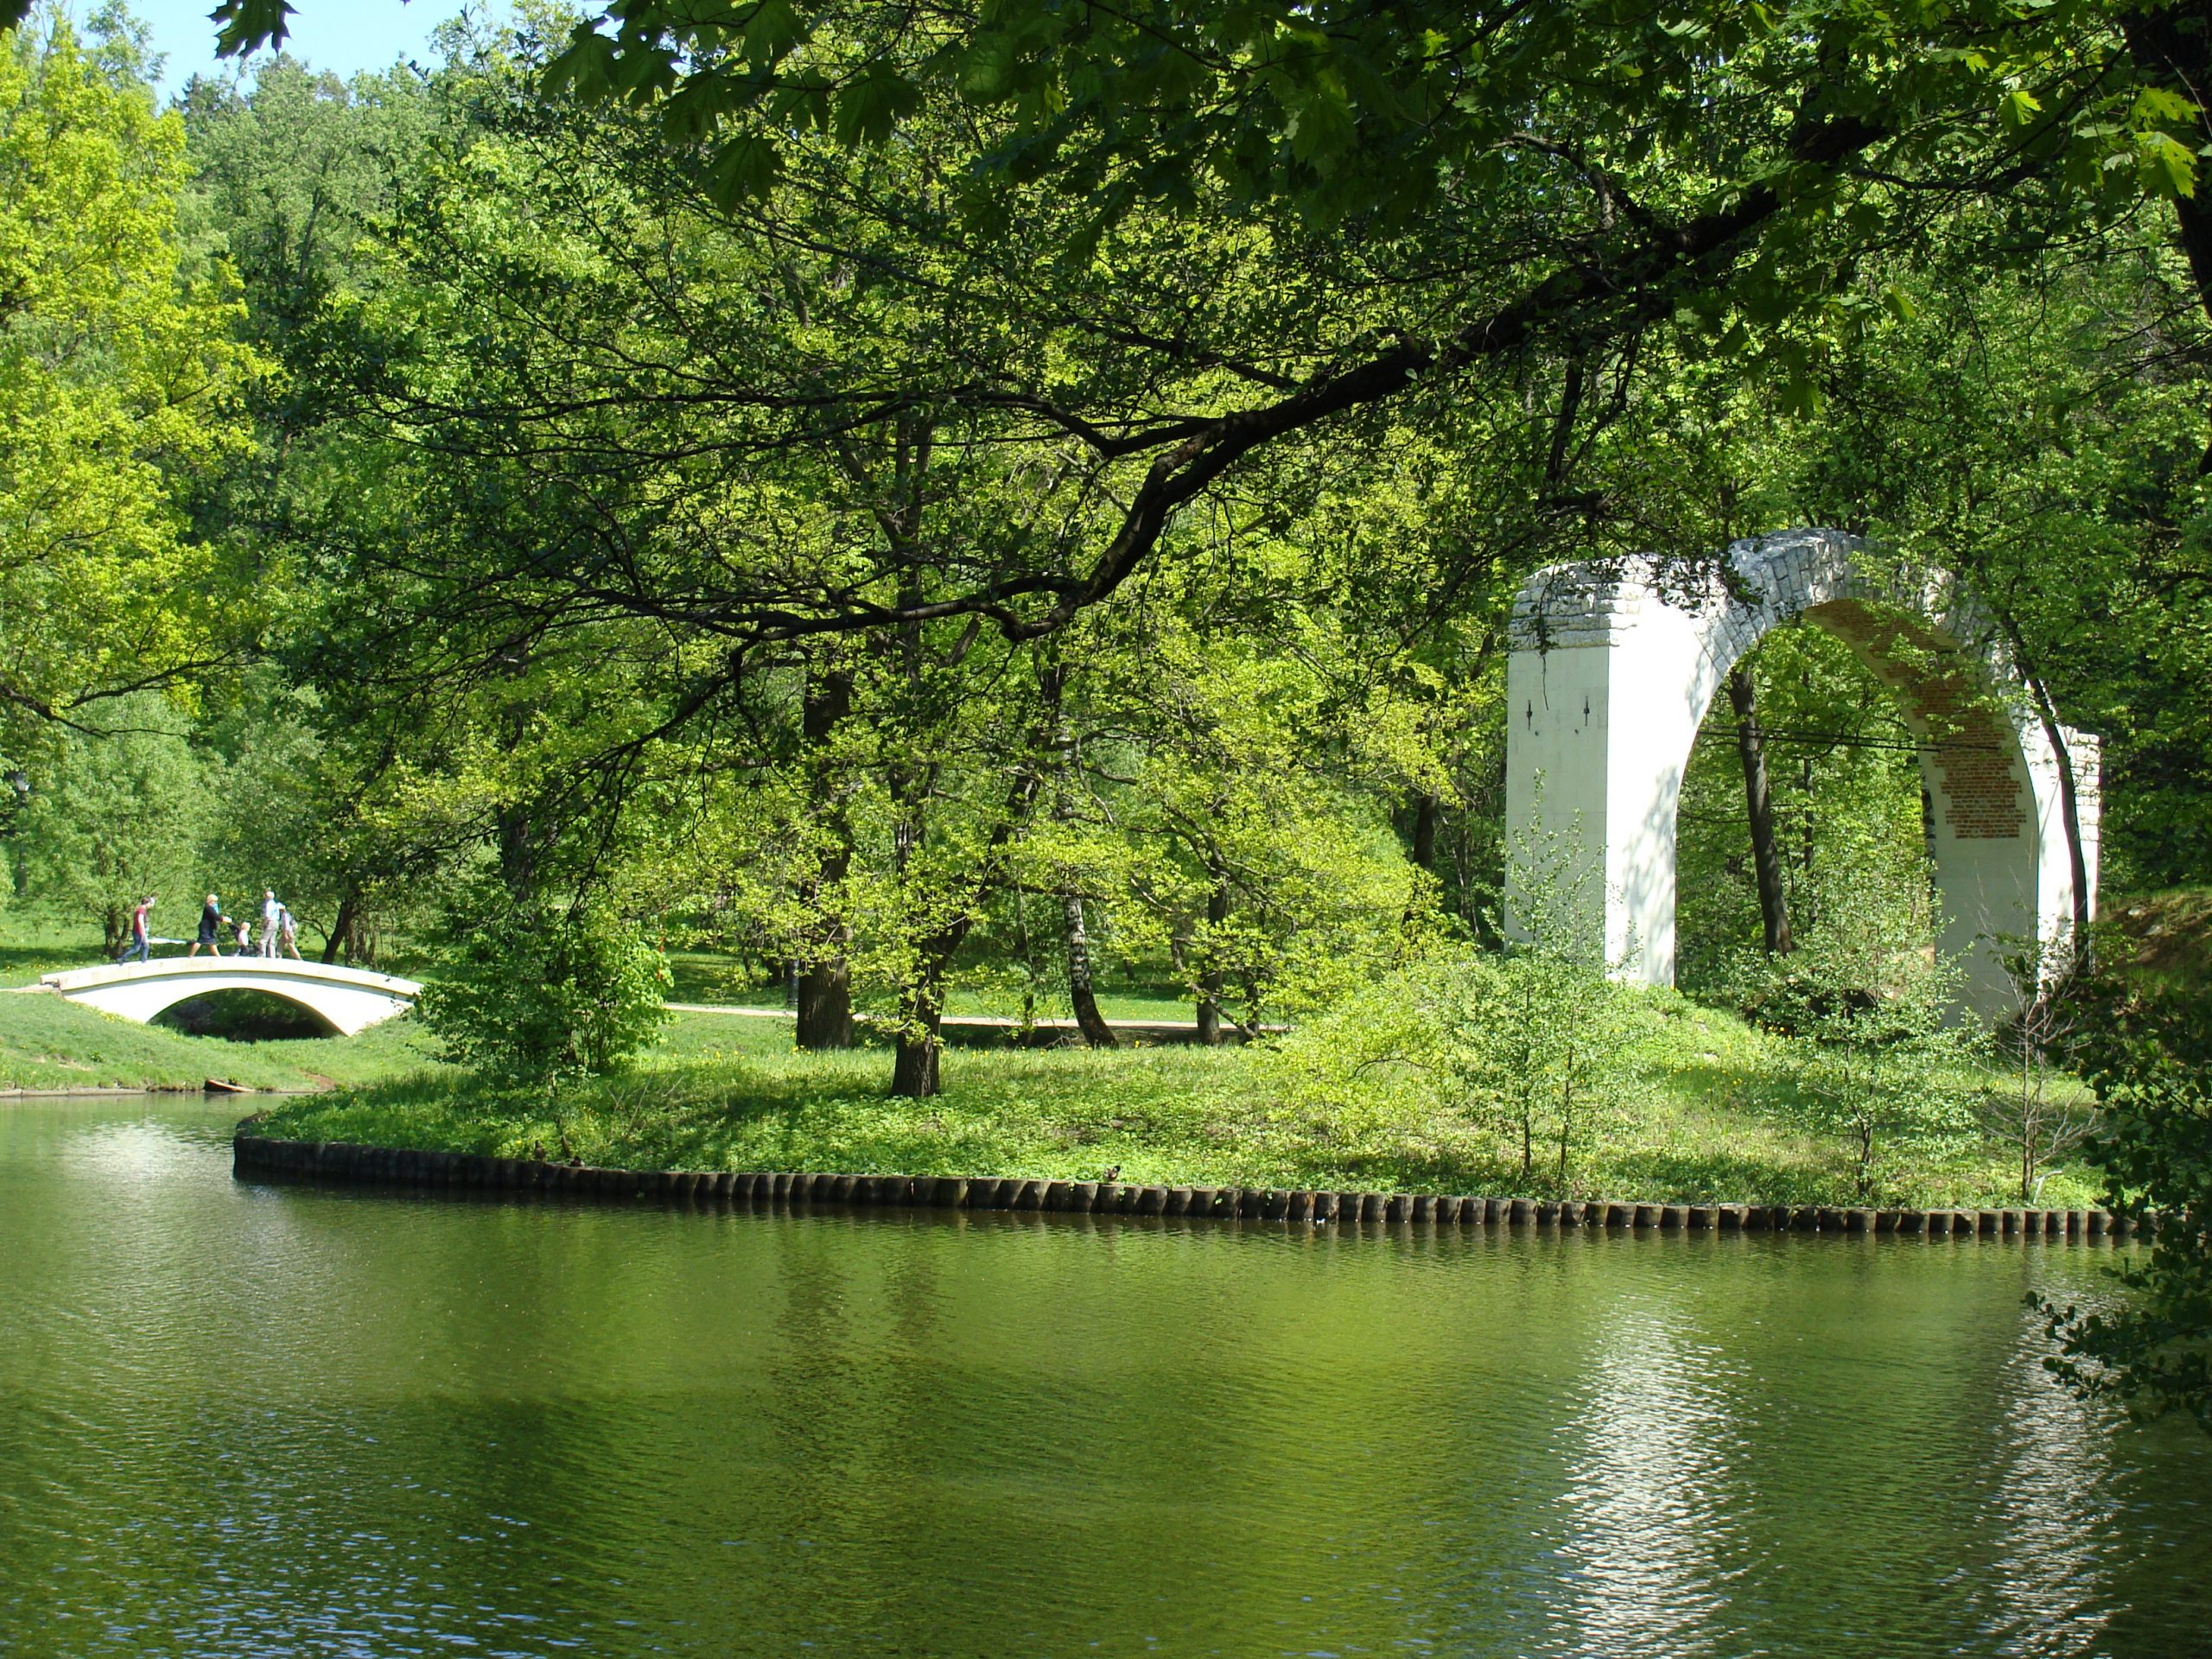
pixel 2149 1057
pixel 1541 1046
pixel 1538 1051
pixel 1845 794
pixel 1546 1050
pixel 2023 429
pixel 111 819
pixel 1344 111
pixel 530 992
pixel 120 382
pixel 1876 1053
pixel 1537 1046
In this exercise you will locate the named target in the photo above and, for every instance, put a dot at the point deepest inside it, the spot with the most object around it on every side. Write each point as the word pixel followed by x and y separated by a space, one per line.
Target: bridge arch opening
pixel 243 1015
pixel 350 999
pixel 1614 669
pixel 1848 807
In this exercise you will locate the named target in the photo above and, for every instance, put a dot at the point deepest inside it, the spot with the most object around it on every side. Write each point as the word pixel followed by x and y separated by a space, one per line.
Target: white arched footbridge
pixel 1613 669
pixel 348 1000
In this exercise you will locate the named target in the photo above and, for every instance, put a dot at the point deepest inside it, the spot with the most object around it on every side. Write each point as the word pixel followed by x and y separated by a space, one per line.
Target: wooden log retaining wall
pixel 336 1161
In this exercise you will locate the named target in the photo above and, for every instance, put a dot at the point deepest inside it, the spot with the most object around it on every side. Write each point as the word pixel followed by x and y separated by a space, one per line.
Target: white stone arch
pixel 349 1000
pixel 1613 669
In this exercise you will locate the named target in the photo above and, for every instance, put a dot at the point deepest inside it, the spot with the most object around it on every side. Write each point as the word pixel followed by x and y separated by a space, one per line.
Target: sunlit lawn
pixel 728 1093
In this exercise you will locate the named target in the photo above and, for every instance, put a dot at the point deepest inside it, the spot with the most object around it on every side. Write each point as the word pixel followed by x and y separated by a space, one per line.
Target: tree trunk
pixel 1566 1134
pixel 518 836
pixel 2172 48
pixel 1805 783
pixel 2069 806
pixel 2069 814
pixel 1210 981
pixel 914 1067
pixel 825 1004
pixel 825 980
pixel 1424 838
pixel 1081 994
pixel 914 1072
pixel 1423 849
pixel 1759 807
pixel 341 926
pixel 1051 688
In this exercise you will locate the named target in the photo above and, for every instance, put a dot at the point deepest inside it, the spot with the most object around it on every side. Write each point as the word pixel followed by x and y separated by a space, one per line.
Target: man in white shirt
pixel 269 911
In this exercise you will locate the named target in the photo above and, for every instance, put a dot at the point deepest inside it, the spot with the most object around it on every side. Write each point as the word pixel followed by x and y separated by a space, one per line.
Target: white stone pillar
pixel 1603 713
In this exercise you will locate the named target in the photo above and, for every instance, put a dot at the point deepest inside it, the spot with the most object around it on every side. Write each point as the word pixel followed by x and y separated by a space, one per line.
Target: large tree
pixel 1477 189
pixel 120 382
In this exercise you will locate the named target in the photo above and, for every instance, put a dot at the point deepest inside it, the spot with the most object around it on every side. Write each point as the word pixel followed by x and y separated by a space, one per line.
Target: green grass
pixel 720 1093
pixel 729 1092
pixel 34 942
pixel 48 1043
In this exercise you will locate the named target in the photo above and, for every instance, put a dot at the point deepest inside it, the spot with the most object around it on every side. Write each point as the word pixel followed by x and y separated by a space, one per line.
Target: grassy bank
pixel 47 1043
pixel 728 1093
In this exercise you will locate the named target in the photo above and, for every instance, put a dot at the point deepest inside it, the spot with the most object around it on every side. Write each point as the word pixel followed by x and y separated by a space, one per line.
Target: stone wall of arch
pixel 1613 669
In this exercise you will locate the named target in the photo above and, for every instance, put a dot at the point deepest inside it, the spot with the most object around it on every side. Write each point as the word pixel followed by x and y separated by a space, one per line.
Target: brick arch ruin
pixel 1613 667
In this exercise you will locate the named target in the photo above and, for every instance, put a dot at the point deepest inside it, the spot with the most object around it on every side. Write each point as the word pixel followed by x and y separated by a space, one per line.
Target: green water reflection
pixel 244 1420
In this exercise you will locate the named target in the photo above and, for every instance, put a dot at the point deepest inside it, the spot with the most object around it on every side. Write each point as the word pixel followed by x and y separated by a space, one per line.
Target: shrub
pixel 529 993
pixel 1533 1045
pixel 1876 1049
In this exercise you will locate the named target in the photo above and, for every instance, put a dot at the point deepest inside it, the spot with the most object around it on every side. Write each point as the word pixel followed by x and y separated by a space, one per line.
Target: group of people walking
pixel 279 933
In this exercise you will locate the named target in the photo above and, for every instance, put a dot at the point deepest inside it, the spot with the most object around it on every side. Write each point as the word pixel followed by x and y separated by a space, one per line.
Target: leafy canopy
pixel 120 378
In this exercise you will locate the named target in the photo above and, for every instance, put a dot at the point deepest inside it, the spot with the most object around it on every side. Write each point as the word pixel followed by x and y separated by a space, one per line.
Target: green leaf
pixel 744 169
pixel 586 67
pixel 986 69
pixel 2167 167
pixel 2157 106
pixel 249 25
pixel 867 109
pixel 773 31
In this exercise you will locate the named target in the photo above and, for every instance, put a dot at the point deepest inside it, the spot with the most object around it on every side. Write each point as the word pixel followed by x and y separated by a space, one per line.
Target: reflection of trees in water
pixel 1855 1448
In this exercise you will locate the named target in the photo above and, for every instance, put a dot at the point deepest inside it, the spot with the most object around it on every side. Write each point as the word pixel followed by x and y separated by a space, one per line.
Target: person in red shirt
pixel 142 937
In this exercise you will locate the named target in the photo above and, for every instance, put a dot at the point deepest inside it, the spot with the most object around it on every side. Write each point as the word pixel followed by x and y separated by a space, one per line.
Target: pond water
pixel 238 1419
